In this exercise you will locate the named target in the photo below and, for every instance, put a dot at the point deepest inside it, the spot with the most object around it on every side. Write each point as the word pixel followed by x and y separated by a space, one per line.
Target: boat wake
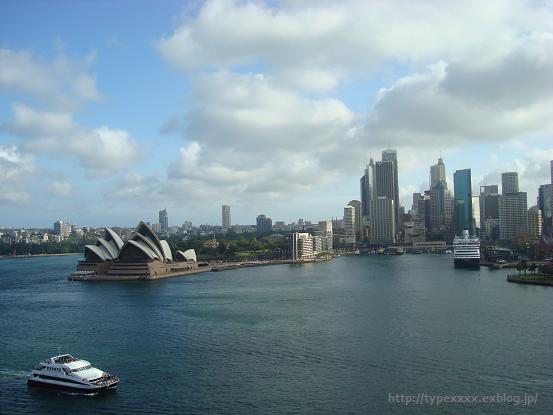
pixel 6 373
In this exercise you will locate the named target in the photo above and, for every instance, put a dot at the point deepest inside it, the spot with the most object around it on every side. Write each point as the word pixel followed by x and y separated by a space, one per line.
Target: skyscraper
pixel 367 190
pixel 513 216
pixel 61 228
pixel 163 219
pixel 534 223
pixel 437 173
pixel 489 212
pixel 391 155
pixel 551 167
pixel 382 221
pixel 440 213
pixel 545 204
pixel 225 216
pixel 264 224
pixel 358 219
pixel 462 188
pixel 509 182
pixel 349 225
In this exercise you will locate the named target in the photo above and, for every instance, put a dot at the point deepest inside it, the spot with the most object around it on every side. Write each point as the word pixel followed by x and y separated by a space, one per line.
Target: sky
pixel 113 110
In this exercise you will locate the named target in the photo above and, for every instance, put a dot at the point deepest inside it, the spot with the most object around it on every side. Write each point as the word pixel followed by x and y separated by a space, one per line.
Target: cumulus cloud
pixel 60 188
pixel 314 45
pixel 16 170
pixel 454 103
pixel 101 150
pixel 62 83
pixel 254 137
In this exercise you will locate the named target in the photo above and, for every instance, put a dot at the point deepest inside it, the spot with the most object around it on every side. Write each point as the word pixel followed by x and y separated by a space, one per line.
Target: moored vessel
pixel 67 373
pixel 466 251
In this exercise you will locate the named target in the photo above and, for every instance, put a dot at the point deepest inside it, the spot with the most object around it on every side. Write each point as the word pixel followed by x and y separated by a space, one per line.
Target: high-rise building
pixel 509 182
pixel 462 208
pixel 225 216
pixel 382 221
pixel 367 190
pixel 545 204
pixel 163 219
pixel 417 197
pixel 264 224
pixel 325 232
pixel 534 223
pixel 61 228
pixel 300 246
pixel 437 173
pixel 391 155
pixel 349 236
pixel 551 167
pixel 513 216
pixel 489 212
pixel 358 218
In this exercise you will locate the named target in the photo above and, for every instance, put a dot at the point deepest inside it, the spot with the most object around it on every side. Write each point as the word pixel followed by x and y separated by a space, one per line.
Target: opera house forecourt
pixel 143 257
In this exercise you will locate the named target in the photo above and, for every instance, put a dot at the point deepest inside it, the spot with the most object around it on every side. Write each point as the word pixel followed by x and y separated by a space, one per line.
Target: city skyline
pixel 114 106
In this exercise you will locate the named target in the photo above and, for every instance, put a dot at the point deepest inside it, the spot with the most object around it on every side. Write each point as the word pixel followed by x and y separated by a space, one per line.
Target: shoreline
pixel 212 267
pixel 37 255
pixel 522 279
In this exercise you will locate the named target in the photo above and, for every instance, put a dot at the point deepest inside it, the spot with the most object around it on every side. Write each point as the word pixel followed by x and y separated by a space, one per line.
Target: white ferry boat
pixel 68 373
pixel 466 251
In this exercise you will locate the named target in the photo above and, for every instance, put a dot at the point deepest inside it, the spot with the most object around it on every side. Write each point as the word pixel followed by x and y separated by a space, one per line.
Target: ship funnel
pixel 465 234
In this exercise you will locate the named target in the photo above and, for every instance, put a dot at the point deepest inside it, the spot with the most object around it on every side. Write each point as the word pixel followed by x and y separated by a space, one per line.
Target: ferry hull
pixel 67 388
pixel 472 263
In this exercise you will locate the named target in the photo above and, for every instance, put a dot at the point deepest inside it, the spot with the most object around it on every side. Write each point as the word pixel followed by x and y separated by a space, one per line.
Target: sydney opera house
pixel 143 256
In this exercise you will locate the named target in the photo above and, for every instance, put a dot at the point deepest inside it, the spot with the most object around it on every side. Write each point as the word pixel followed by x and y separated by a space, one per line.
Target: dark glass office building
pixel 463 202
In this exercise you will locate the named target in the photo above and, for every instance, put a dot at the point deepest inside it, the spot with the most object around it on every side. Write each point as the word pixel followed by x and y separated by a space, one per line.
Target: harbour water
pixel 335 337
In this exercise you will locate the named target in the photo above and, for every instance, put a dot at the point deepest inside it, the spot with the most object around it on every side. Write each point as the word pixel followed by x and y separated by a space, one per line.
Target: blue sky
pixel 113 110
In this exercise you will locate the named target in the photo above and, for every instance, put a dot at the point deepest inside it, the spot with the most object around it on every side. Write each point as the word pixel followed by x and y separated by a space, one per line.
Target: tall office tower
pixel 440 215
pixel 509 182
pixel 417 197
pixel 489 212
pixel 534 223
pixel 545 204
pixel 384 183
pixel 225 216
pixel 349 225
pixel 163 219
pixel 551 167
pixel 382 221
pixel 437 173
pixel 264 224
pixel 391 155
pixel 358 219
pixel 367 189
pixel 513 216
pixel 462 205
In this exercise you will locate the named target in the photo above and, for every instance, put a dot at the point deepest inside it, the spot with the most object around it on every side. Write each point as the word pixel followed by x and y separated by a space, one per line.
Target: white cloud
pixel 62 83
pixel 60 188
pixel 315 45
pixel 456 103
pixel 16 170
pixel 252 137
pixel 101 150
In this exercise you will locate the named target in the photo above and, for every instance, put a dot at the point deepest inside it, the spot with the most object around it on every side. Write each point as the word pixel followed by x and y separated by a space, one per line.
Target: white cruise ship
pixel 68 373
pixel 466 251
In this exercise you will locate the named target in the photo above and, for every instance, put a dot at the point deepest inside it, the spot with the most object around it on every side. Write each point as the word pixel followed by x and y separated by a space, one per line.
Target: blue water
pixel 335 337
